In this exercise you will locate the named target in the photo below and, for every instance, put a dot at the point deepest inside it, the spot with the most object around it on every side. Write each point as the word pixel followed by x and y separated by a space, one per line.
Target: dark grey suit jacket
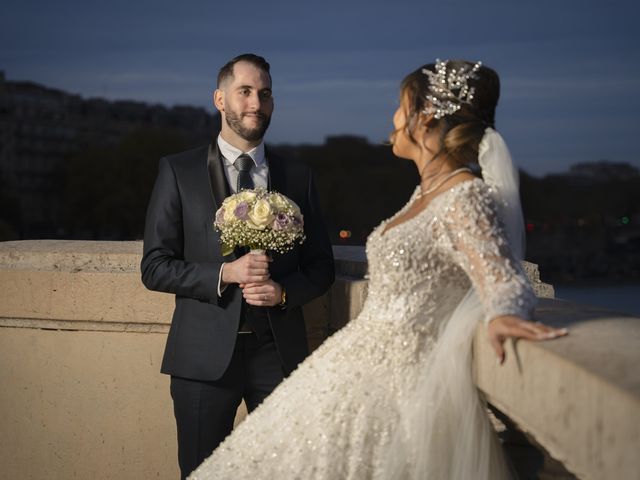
pixel 182 255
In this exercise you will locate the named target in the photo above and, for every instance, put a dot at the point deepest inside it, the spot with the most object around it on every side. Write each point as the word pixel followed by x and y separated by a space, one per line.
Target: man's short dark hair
pixel 257 61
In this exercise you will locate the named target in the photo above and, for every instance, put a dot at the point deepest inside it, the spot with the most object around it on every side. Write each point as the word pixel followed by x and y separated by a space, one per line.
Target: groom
pixel 237 328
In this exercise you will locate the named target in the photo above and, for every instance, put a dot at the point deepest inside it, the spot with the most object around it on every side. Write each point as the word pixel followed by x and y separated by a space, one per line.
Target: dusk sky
pixel 570 70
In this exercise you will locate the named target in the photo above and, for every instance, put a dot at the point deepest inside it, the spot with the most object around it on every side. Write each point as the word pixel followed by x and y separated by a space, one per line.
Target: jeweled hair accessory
pixel 449 90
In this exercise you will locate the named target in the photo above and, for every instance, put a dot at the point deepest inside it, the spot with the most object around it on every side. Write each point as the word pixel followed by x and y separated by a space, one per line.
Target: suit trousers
pixel 205 410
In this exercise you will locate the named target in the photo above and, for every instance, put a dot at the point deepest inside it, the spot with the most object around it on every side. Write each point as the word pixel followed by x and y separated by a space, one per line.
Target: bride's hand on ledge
pixel 510 326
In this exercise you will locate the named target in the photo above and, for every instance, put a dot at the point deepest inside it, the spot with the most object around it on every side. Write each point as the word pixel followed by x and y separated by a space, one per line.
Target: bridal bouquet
pixel 260 220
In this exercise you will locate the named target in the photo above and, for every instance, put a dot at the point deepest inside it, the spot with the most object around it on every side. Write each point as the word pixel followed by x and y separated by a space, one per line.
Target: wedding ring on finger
pixel 264 298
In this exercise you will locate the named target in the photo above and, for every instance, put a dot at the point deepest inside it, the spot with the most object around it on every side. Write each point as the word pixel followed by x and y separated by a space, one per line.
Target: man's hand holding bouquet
pixel 261 221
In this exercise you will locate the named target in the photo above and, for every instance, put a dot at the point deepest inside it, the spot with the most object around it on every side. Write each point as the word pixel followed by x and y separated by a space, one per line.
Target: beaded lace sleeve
pixel 480 248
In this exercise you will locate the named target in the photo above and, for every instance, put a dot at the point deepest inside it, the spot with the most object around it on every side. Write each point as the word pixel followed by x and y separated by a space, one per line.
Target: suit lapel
pixel 277 180
pixel 218 185
pixel 217 178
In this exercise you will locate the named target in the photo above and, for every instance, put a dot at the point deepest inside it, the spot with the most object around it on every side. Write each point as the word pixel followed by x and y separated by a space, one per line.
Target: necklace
pixel 441 182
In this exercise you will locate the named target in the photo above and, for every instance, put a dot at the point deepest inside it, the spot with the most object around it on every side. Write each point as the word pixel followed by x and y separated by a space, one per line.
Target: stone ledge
pixel 119 257
pixel 81 296
pixel 71 256
pixel 578 396
pixel 75 256
pixel 83 325
pixel 350 261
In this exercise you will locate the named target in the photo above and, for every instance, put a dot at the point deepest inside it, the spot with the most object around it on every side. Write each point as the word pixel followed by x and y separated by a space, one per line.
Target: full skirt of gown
pixel 391 394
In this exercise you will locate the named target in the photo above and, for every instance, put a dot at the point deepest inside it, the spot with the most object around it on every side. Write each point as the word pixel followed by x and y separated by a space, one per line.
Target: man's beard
pixel 234 121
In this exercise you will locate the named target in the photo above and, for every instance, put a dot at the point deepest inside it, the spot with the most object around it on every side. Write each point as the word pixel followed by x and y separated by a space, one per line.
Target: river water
pixel 619 298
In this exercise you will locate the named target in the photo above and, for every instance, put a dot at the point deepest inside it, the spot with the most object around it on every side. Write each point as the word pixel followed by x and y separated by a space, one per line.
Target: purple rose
pixel 241 210
pixel 297 221
pixel 220 216
pixel 281 222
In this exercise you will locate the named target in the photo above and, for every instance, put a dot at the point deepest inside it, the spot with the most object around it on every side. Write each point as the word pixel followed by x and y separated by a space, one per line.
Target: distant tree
pixel 589 194
pixel 107 188
pixel 603 171
pixel 9 213
pixel 359 184
pixel 584 223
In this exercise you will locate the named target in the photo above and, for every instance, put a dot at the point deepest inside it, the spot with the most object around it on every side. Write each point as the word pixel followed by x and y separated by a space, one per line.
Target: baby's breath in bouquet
pixel 260 220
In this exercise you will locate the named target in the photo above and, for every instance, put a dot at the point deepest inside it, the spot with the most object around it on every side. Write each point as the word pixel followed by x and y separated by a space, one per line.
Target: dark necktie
pixel 243 164
pixel 252 319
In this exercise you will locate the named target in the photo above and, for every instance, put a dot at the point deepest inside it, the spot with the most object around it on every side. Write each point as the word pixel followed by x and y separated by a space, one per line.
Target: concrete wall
pixel 85 405
pixel 80 353
pixel 81 342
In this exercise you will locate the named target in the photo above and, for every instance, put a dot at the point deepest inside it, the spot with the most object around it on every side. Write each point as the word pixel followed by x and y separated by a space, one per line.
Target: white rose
pixel 285 203
pixel 260 215
pixel 279 201
pixel 230 205
pixel 246 196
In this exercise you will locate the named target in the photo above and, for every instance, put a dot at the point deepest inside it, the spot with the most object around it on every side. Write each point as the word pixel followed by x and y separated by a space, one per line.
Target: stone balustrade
pixel 81 342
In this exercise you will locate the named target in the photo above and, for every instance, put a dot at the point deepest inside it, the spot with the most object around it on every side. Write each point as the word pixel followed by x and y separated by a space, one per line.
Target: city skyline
pixel 568 70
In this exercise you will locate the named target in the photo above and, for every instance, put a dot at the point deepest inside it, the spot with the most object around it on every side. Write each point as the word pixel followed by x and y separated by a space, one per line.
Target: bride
pixel 391 394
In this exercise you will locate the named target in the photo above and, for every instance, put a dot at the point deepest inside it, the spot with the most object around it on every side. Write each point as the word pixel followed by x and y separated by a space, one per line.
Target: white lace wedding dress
pixel 391 394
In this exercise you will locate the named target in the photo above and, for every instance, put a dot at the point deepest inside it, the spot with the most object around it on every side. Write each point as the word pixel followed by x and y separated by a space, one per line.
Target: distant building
pixel 40 127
